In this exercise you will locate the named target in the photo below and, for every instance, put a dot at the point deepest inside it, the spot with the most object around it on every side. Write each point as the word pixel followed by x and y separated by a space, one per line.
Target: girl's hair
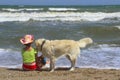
pixel 28 44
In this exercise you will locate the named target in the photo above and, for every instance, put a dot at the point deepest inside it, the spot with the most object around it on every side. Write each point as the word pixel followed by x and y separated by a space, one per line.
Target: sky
pixel 59 2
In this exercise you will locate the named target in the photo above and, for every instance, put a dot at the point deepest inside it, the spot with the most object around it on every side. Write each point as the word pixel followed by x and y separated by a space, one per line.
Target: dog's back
pixel 63 47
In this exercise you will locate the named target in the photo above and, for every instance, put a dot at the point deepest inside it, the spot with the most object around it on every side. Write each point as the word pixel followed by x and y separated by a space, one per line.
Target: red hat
pixel 27 39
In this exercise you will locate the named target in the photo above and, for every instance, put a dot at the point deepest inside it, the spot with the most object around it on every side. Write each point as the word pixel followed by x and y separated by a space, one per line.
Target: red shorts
pixel 29 67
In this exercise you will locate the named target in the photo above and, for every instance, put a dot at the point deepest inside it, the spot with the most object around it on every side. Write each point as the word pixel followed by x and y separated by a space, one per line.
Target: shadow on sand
pixel 43 69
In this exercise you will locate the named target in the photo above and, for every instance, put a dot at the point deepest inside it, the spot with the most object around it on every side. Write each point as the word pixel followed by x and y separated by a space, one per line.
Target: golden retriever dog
pixel 53 49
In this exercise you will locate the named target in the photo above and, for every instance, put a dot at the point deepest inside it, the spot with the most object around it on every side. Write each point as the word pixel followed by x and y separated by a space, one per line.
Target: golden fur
pixel 56 48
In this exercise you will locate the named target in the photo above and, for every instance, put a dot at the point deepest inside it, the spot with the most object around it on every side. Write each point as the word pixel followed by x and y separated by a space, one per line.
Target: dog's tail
pixel 85 41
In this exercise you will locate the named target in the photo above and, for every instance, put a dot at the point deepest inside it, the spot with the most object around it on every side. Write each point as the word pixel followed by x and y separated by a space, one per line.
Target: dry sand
pixel 60 74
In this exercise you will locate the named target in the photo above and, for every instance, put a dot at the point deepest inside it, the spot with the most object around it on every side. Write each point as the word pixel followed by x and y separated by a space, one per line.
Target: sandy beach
pixel 60 74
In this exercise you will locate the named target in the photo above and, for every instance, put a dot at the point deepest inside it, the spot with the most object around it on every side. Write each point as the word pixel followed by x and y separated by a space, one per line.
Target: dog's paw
pixel 72 69
pixel 52 70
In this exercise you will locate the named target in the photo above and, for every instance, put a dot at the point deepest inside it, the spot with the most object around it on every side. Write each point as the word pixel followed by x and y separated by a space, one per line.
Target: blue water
pixel 101 23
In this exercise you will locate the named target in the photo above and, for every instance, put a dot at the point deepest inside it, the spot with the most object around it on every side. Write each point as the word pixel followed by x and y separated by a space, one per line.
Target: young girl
pixel 29 54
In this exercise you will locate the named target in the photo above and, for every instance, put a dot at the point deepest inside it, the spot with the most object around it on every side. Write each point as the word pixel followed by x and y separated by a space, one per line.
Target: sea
pixel 101 23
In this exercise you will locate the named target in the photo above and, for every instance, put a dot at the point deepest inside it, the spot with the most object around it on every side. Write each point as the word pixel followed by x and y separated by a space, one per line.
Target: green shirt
pixel 29 56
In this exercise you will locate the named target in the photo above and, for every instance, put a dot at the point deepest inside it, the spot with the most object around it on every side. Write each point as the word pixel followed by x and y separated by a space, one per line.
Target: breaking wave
pixel 60 16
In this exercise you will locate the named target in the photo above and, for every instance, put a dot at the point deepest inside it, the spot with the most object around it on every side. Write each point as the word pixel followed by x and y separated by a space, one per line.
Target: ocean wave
pixel 62 9
pixel 100 56
pixel 60 16
pixel 117 27
pixel 103 56
pixel 10 58
pixel 38 9
pixel 22 9
pixel 104 34
pixel 3 51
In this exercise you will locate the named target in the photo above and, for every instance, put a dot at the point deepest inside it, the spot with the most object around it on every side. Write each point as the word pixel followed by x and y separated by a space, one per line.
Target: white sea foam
pixel 62 9
pixel 117 27
pixel 10 58
pixel 99 56
pixel 61 16
pixel 22 9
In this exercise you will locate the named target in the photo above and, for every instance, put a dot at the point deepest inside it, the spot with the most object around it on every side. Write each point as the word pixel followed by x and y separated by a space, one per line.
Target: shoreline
pixel 60 74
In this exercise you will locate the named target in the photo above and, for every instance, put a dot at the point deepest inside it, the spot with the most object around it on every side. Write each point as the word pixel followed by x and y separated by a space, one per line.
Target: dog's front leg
pixel 52 64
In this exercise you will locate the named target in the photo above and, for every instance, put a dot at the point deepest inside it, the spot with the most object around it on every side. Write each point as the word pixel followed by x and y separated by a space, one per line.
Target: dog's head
pixel 39 43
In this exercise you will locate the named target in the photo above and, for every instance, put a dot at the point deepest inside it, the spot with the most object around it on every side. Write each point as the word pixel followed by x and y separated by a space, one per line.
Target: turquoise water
pixel 101 23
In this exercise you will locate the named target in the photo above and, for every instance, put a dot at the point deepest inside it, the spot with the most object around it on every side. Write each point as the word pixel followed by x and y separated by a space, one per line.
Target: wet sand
pixel 60 74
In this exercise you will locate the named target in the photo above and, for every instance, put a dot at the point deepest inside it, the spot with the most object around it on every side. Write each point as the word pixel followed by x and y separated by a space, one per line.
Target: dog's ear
pixel 85 41
pixel 38 42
